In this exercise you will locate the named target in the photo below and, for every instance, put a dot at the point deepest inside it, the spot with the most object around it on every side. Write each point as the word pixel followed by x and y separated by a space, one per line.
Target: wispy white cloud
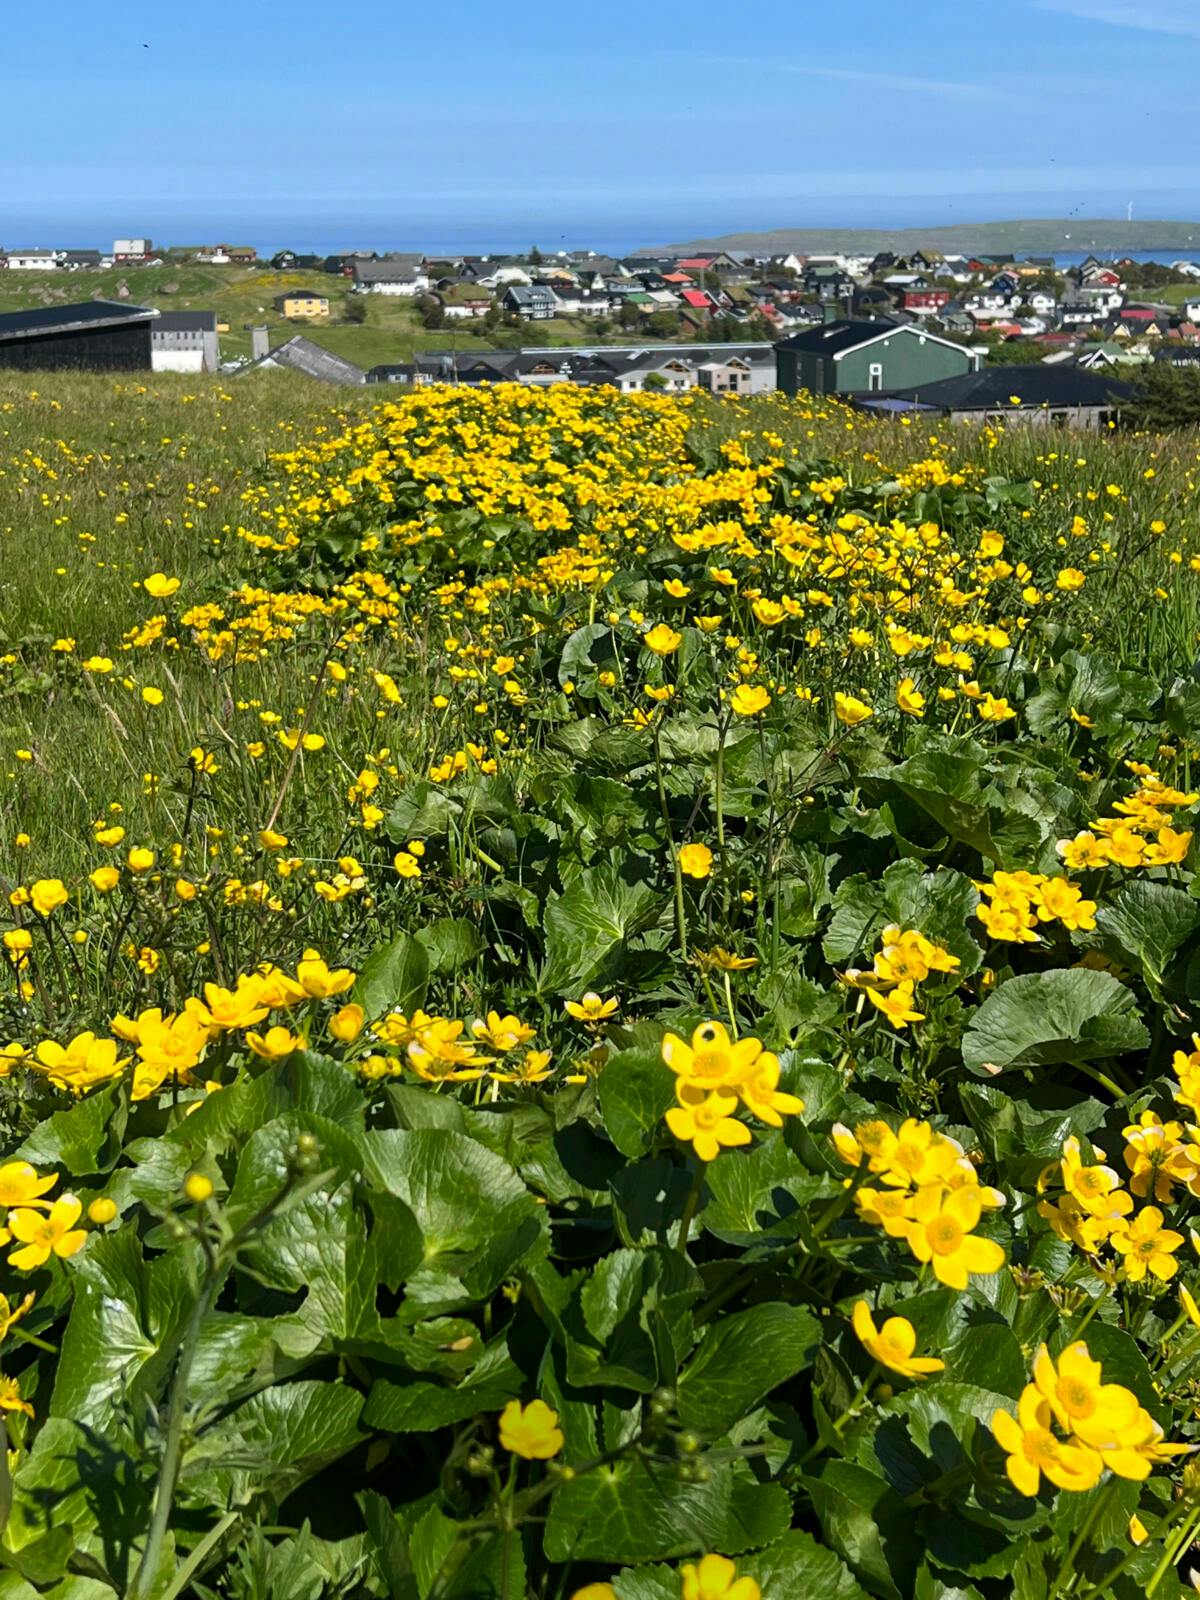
pixel 900 82
pixel 1179 17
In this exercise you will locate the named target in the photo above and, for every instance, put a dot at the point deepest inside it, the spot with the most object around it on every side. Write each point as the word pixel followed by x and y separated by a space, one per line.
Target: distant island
pixel 1038 236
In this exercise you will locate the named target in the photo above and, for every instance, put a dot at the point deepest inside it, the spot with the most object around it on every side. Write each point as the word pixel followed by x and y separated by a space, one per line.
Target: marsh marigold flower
pixel 695 860
pixel 591 1008
pixel 715 1578
pixel 530 1431
pixel 893 1344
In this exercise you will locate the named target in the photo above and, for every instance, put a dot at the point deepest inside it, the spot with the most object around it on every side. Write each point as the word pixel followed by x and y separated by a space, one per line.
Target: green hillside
pixel 243 296
pixel 1037 235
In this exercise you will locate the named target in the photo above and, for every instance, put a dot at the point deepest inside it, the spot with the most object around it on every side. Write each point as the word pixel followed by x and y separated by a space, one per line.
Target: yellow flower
pixel 1070 579
pixel 992 710
pixel 712 1060
pixel 152 696
pixel 695 860
pixel 21 1185
pixel 662 640
pixel 40 1235
pixel 102 1210
pixel 706 1120
pixel 105 879
pixel 10 1397
pixel 406 864
pixel 909 699
pixel 346 1024
pixel 140 860
pixel 159 586
pixel 940 1233
pixel 81 1065
pixel 715 1578
pixel 748 701
pixel 316 979
pixel 893 1344
pixel 198 1188
pixel 591 1008
pixel 1096 1413
pixel 226 1009
pixel 503 1033
pixel 47 894
pixel 1034 1452
pixel 530 1431
pixel 850 710
pixel 1148 1246
pixel 595 1591
pixel 896 1004
pixel 275 1044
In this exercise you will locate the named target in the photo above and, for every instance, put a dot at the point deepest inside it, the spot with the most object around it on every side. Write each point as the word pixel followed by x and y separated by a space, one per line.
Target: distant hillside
pixel 1039 236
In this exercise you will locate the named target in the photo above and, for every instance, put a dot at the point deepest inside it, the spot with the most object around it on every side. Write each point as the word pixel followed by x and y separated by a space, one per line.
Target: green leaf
pixel 585 651
pixel 1068 1014
pixel 86 1139
pixel 1147 923
pixel 938 904
pixel 754 1193
pixel 741 1360
pixel 636 1089
pixel 274 1441
pixel 586 926
pixel 450 942
pixel 477 1219
pixel 797 1566
pixel 635 1511
pixel 393 978
pixel 869 1526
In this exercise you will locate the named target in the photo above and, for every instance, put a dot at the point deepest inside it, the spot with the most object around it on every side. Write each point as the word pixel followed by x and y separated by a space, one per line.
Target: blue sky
pixel 419 123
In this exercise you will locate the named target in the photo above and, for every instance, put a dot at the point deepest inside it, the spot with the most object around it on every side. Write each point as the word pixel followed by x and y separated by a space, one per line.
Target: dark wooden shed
pixel 97 336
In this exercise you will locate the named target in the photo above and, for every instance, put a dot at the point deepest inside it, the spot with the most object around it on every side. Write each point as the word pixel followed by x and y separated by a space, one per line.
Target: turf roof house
pixel 865 357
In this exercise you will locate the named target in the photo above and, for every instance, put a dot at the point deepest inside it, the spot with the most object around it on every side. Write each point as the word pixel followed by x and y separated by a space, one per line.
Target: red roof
pixel 697 298
pixel 697 263
pixel 676 277
pixel 1137 314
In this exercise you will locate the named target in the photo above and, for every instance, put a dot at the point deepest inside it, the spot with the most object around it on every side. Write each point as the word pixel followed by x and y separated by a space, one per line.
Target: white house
pixel 395 275
pixel 131 249
pixel 32 260
pixel 185 341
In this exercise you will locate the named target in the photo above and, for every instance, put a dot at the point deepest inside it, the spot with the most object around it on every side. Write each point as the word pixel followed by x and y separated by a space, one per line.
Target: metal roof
pixel 70 319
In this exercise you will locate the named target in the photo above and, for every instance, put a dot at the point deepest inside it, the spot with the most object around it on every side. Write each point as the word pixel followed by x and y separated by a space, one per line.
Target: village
pixel 958 334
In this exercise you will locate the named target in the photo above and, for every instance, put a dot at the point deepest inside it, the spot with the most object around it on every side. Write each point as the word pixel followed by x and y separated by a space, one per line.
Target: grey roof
pixel 992 388
pixel 186 322
pixel 831 338
pixel 536 294
pixel 302 355
pixel 69 319
pixel 397 269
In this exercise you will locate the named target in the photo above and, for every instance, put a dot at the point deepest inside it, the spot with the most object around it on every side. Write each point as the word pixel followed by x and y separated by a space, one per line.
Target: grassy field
pixel 599 998
pixel 243 296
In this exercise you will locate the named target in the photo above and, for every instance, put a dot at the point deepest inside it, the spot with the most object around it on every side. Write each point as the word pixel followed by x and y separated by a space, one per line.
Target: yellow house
pixel 302 303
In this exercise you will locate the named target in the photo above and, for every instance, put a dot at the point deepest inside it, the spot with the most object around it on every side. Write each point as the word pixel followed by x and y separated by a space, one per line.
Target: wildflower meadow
pixel 599 999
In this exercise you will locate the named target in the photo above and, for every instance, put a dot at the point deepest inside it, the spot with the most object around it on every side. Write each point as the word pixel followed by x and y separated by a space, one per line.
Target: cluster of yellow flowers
pixel 931 1197
pixel 1105 1427
pixel 41 1227
pixel 906 959
pixel 441 1050
pixel 1094 1210
pixel 712 1075
pixel 1140 835
pixel 1015 904
pixel 170 1046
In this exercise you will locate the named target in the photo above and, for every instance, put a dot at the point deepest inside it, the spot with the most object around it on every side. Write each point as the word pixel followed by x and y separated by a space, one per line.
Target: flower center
pixel 1076 1397
pixel 945 1236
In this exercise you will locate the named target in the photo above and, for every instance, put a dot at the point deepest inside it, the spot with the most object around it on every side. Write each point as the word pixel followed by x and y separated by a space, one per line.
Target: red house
pixel 926 300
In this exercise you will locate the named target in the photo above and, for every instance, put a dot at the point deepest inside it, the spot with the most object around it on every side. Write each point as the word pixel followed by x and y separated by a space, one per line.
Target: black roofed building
pixel 849 357
pixel 97 336
pixel 1062 396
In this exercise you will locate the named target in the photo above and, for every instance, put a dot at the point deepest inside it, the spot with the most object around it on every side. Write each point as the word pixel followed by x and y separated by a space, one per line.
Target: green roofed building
pixel 867 357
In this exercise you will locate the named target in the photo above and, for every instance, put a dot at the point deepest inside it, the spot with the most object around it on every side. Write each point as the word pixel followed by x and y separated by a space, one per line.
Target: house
pixel 828 283
pixel 532 302
pixel 185 341
pixel 1039 395
pixel 715 261
pixel 699 300
pixel 1081 314
pixel 395 275
pixel 299 354
pixel 31 260
pixel 97 336
pixel 852 357
pixel 127 251
pixel 79 260
pixel 925 302
pixel 302 304
pixel 465 301
pixel 1042 302
pixel 732 376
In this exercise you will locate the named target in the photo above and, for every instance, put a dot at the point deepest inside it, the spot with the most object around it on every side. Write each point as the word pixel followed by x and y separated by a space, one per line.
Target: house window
pixel 875 375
